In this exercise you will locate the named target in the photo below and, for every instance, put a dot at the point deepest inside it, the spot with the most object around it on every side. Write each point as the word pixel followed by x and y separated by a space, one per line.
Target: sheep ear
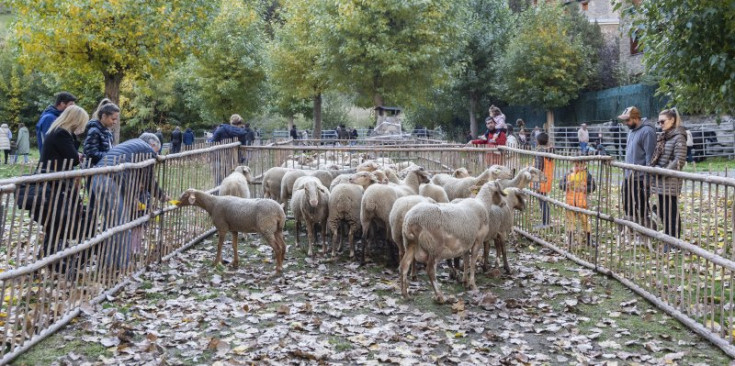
pixel 497 198
pixel 192 198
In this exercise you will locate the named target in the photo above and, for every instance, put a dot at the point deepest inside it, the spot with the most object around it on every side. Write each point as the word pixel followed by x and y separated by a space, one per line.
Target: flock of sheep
pixel 428 219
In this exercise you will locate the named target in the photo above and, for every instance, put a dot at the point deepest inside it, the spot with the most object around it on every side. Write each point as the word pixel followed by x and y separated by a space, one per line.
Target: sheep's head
pixel 516 198
pixel 380 177
pixel 422 175
pixel 364 179
pixel 493 192
pixel 312 193
pixel 368 166
pixel 537 175
pixel 244 170
pixel 500 172
pixel 461 173
pixel 187 198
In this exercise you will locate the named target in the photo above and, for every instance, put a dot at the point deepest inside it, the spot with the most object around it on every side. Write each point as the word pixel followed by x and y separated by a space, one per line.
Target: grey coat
pixel 673 157
pixel 24 147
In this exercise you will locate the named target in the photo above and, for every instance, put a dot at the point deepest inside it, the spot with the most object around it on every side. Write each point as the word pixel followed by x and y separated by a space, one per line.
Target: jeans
pixel 544 206
pixel 635 200
pixel 583 148
pixel 690 156
pixel 110 201
pixel 668 211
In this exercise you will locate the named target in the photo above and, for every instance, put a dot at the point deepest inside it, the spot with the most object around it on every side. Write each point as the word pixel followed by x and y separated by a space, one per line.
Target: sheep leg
pixel 406 262
pixel 485 255
pixel 365 241
pixel 298 229
pixel 472 264
pixel 431 271
pixel 324 238
pixel 310 235
pixel 220 243
pixel 335 234
pixel 351 237
pixel 500 244
pixel 236 261
pixel 276 245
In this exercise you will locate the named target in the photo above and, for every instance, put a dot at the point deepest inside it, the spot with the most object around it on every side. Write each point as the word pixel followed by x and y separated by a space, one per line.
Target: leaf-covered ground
pixel 549 311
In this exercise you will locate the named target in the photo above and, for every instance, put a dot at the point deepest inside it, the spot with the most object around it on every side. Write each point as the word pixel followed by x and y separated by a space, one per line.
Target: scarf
pixel 661 143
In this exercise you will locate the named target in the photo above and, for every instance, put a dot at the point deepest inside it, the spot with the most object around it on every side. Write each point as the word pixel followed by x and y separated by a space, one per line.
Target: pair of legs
pixel 668 211
pixel 6 153
pixel 635 200
pixel 583 148
pixel 574 220
pixel 544 206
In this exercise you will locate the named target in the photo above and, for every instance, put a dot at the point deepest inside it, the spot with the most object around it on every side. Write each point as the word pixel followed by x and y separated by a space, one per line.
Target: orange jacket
pixel 577 185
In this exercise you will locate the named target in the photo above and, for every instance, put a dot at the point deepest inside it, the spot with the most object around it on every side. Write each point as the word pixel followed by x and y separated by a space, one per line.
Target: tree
pixel 603 56
pixel 299 65
pixel 115 39
pixel 395 50
pixel 227 76
pixel 544 65
pixel 488 25
pixel 688 45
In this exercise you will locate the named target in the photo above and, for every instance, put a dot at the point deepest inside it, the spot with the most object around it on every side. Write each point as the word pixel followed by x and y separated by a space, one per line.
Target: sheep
pixel 397 214
pixel 523 178
pixel 272 183
pixel 460 187
pixel 244 215
pixel 310 204
pixel 433 191
pixel 344 178
pixel 344 206
pixel 434 232
pixel 378 200
pixel 236 184
pixel 392 176
pixel 287 183
pixel 441 179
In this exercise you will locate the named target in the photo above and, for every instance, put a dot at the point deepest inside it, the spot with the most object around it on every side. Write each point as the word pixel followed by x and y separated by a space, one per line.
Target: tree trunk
pixel 317 116
pixel 473 120
pixel 112 92
pixel 377 102
pixel 290 122
pixel 550 126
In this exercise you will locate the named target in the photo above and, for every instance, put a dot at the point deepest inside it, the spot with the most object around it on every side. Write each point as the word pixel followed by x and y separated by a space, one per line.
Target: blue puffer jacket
pixel 132 151
pixel 225 131
pixel 48 117
pixel 188 137
pixel 98 141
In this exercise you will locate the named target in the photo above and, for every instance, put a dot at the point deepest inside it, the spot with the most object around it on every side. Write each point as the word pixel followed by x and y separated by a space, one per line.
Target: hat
pixel 630 112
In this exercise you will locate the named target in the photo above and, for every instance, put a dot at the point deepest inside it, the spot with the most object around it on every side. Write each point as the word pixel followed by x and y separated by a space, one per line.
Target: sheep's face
pixel 517 199
pixel 244 170
pixel 368 166
pixel 380 177
pixel 422 175
pixel 538 176
pixel 494 190
pixel 312 193
pixel 363 179
pixel 187 198
pixel 500 172
pixel 461 173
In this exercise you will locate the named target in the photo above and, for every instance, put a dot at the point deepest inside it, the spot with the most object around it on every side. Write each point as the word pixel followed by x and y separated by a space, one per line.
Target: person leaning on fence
pixel 62 214
pixel 23 146
pixel 99 134
pixel 492 137
pixel 577 185
pixel 225 132
pixel 176 137
pixel 545 165
pixel 5 138
pixel 639 151
pixel 583 135
pixel 670 153
pixel 49 115
pixel 117 196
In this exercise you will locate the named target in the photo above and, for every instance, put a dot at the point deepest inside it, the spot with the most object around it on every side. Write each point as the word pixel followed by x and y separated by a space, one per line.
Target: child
pixel 546 165
pixel 577 185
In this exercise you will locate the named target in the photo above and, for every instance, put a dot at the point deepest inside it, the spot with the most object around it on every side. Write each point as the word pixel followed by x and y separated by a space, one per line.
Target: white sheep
pixel 272 183
pixel 289 179
pixel 310 203
pixel 524 177
pixel 435 232
pixel 236 184
pixel 460 187
pixel 242 215
pixel 345 178
pixel 378 200
pixel 344 206
pixel 441 179
pixel 398 213
pixel 433 191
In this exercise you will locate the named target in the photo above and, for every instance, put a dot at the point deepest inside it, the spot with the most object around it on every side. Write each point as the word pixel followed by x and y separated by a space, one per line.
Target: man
pixel 176 138
pixel 118 197
pixel 159 134
pixel 639 149
pixel 188 137
pixel 294 134
pixel 49 115
pixel 584 138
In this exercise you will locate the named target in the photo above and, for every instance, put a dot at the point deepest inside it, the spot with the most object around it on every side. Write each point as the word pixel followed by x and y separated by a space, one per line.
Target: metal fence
pixel 72 238
pixel 710 140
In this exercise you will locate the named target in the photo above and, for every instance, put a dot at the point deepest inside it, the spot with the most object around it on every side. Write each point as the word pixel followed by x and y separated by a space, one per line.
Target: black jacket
pixel 176 137
pixel 98 141
pixel 59 148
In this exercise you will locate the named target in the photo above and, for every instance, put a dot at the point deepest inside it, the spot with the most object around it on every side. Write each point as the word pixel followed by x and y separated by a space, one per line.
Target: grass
pixel 718 164
pixel 56 345
pixel 15 170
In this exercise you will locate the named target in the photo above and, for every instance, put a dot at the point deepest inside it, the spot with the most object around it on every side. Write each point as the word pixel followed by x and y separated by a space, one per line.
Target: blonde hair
pixel 103 102
pixel 71 119
pixel 235 119
pixel 672 113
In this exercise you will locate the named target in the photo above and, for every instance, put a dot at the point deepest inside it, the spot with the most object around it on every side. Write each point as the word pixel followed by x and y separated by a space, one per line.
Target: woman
pixel 670 153
pixel 99 134
pixel 24 144
pixel 5 137
pixel 63 216
pixel 492 137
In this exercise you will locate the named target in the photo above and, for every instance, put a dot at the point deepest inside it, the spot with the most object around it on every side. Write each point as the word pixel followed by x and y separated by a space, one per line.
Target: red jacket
pixel 497 138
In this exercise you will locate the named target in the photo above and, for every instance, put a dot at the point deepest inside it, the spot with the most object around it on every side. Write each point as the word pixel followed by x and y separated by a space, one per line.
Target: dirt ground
pixel 548 311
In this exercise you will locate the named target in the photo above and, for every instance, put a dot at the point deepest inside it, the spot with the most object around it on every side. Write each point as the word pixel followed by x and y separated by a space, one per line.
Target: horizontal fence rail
pixel 72 237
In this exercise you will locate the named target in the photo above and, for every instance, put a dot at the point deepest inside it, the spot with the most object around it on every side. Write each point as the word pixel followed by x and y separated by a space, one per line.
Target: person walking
pixel 670 153
pixel 690 146
pixel 23 145
pixel 5 137
pixel 294 134
pixel 49 115
pixel 639 149
pixel 188 137
pixel 584 138
pixel 176 140
pixel 99 132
